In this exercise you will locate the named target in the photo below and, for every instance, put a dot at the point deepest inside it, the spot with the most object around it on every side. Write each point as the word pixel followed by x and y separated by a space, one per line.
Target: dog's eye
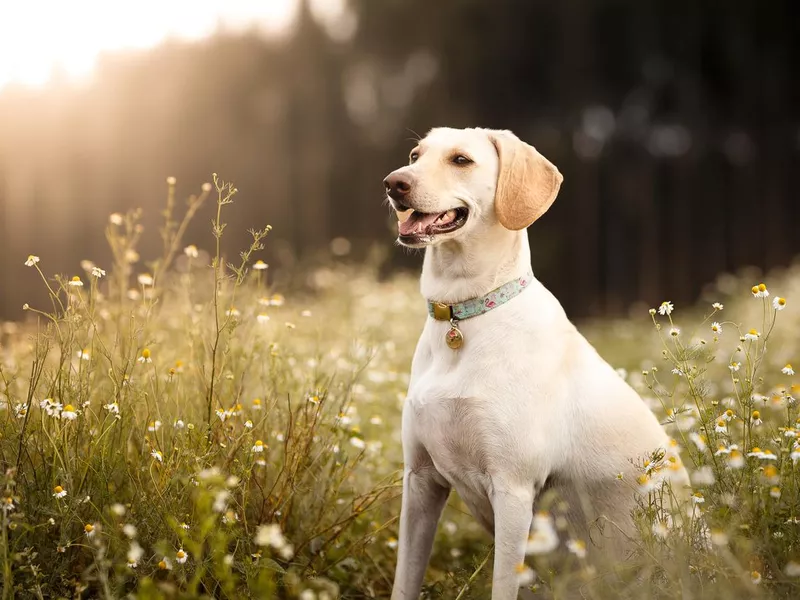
pixel 460 159
pixel 413 157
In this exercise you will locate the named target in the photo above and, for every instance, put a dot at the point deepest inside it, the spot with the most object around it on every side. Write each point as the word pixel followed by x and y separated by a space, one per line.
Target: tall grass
pixel 176 427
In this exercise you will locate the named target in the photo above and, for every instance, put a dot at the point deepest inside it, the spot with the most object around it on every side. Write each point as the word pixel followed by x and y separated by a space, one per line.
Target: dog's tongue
pixel 417 222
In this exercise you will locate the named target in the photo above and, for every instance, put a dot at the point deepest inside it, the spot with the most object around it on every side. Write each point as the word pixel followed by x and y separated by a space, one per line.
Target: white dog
pixel 506 398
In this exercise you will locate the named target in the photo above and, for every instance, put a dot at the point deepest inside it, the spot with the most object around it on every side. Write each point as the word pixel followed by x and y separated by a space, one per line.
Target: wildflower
pixel 721 426
pixel 180 556
pixel 719 537
pixel 89 529
pixel 262 318
pixel 164 564
pixel 577 547
pixel 734 366
pixel 760 291
pixel 276 300
pixel 703 476
pixel 145 357
pixel 525 575
pixel 716 328
pixel 666 308
pixel 223 414
pixel 118 509
pixel 728 415
pixel 717 306
pixel 115 219
pixel 221 501
pixel 84 354
pixel 191 251
pixel 675 331
pixel 775 492
pixel 357 442
pixel 698 498
pixel 792 568
pixel 59 492
pixel 260 265
pixel 768 455
pixel 660 529
pixel 544 538
pixel 270 535
pixel 179 424
pixel 752 335
pixel 135 554
pixel 257 404
pixel 51 407
pixel 32 260
pixel 248 424
pixel 112 408
pixel 392 543
pixel 154 426
pixel 755 418
pixel 795 454
pixel 787 370
pixel 771 474
pixel 69 413
pixel 735 460
pixel 652 312
pixel 145 279
pixel 678 372
pixel 98 272
pixel 699 441
pixel 129 530
pixel 156 454
pixel 258 446
pixel 755 452
pixel 75 282
pixel 779 303
pixel 232 312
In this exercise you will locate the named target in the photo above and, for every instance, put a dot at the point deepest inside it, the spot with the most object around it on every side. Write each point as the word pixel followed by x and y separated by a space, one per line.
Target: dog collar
pixel 475 307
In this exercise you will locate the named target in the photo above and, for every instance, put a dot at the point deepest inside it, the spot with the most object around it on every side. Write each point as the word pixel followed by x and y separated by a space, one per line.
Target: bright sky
pixel 38 36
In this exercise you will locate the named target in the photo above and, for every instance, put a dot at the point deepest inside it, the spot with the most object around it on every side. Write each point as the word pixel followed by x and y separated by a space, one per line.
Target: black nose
pixel 398 185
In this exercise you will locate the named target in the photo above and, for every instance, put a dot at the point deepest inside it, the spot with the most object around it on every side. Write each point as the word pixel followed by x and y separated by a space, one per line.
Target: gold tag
pixel 454 338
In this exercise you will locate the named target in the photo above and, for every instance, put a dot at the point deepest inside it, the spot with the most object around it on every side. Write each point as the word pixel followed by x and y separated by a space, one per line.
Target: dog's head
pixel 463 180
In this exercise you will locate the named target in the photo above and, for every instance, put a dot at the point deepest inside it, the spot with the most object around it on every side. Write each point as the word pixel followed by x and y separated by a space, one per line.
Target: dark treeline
pixel 675 124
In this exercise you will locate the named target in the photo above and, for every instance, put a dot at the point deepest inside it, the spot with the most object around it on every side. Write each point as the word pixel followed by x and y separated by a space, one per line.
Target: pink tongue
pixel 416 224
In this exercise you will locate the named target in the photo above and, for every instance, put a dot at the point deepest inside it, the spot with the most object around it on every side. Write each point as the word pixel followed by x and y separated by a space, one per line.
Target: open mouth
pixel 416 227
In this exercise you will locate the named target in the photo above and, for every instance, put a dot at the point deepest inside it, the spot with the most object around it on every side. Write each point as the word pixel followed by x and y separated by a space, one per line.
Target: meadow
pixel 175 426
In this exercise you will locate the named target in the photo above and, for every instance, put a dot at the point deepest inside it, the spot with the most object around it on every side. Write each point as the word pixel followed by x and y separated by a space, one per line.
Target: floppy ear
pixel 527 183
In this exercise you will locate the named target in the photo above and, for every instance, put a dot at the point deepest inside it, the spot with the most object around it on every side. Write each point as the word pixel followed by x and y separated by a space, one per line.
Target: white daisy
pixel 717 306
pixel 59 492
pixel 577 547
pixel 716 328
pixel 779 303
pixel 787 370
pixel 258 446
pixel 752 335
pixel 69 413
pixel 180 556
pixel 156 454
pixel 543 538
pixel 666 308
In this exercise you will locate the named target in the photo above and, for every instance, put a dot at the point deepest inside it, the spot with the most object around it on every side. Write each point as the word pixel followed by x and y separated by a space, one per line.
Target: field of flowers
pixel 175 427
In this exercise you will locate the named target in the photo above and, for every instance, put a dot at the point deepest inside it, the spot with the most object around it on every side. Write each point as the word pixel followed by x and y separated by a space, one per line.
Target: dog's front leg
pixel 423 501
pixel 513 512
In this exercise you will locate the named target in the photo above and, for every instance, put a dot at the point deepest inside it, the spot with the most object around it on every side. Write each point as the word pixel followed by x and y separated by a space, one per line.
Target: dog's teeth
pixel 403 216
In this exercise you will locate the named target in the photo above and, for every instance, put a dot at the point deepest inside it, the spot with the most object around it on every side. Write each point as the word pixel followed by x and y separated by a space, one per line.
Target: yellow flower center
pixel 146 353
pixel 58 489
pixel 770 471
pixel 88 528
pixel 729 413
pixel 782 301
pixel 755 449
pixel 521 568
pixel 259 443
pixel 642 479
pixel 238 407
pixel 257 402
pixel 76 278
pixel 754 289
pixel 69 408
pixel 753 332
pixel 756 414
pixel 180 554
pixel 162 565
pixel 762 287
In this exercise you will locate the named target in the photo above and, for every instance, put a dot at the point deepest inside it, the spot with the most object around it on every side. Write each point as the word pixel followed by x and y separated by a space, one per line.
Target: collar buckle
pixel 442 312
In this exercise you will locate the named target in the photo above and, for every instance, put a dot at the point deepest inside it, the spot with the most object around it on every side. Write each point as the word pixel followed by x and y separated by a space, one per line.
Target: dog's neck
pixel 456 271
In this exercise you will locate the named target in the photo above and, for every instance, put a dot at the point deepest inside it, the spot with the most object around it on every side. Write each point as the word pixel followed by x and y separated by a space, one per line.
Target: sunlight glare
pixel 42 38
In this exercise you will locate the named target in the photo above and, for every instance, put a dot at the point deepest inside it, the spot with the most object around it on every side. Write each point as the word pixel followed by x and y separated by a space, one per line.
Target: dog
pixel 506 400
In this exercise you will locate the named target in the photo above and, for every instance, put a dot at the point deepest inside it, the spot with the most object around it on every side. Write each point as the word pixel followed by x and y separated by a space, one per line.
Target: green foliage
pixel 186 410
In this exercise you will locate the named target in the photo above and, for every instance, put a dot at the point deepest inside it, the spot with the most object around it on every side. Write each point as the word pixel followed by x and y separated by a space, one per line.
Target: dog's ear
pixel 527 183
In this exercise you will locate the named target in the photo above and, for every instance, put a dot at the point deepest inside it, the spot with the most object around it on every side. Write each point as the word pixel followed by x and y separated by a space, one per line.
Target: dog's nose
pixel 398 185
